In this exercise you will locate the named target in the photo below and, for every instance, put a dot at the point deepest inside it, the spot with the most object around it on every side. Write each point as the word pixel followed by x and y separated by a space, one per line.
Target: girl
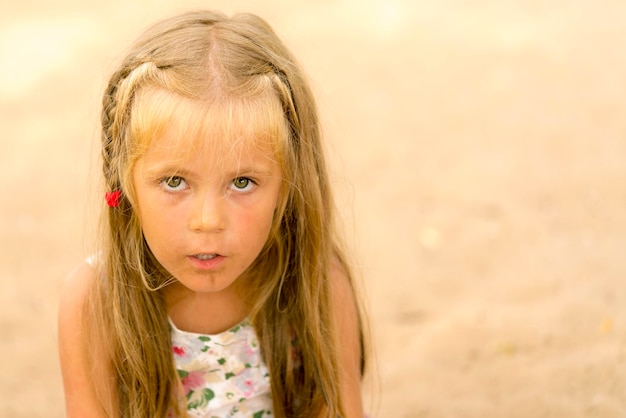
pixel 220 288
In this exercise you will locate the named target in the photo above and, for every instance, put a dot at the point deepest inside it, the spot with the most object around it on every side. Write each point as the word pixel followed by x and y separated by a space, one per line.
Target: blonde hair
pixel 238 68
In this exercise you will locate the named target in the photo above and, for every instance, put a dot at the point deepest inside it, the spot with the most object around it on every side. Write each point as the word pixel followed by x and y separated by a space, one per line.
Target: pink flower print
pixel 193 380
pixel 249 388
pixel 179 351
pixel 250 350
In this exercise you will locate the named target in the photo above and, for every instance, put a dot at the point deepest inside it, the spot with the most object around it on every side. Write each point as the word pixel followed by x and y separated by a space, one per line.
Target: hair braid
pixel 116 107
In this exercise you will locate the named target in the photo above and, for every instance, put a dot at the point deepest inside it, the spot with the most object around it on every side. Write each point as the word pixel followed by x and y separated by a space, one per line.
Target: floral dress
pixel 222 375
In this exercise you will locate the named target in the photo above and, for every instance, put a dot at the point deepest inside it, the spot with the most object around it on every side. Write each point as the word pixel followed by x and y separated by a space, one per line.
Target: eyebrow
pixel 173 169
pixel 250 169
pixel 163 170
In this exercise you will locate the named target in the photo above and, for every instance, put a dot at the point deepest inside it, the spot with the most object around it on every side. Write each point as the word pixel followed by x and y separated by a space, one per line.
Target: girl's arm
pixel 348 327
pixel 86 379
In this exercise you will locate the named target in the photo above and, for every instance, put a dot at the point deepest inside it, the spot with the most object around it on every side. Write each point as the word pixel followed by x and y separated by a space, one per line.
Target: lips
pixel 205 256
pixel 206 261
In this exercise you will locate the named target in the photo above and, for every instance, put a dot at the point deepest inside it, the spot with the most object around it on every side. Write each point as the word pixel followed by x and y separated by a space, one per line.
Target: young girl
pixel 220 289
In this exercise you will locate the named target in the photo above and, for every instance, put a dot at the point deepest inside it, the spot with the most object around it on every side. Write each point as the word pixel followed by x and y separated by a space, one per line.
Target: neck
pixel 204 313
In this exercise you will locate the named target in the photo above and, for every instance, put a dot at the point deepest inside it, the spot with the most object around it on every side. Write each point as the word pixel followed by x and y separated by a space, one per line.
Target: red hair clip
pixel 113 198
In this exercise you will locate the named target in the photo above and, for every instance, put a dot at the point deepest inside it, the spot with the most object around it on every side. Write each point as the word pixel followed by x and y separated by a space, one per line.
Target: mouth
pixel 206 261
pixel 205 256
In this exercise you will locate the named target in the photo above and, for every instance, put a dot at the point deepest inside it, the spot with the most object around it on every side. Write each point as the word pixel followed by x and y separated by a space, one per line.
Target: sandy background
pixel 480 158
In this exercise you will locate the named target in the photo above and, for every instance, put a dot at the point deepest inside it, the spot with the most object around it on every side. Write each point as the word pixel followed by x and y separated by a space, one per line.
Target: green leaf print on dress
pixel 205 397
pixel 222 375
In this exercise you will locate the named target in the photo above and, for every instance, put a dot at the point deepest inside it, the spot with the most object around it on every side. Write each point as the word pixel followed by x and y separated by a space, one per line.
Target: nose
pixel 208 213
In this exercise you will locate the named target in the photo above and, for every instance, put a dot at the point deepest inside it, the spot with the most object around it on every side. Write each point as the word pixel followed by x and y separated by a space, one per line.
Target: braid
pixel 116 107
pixel 284 91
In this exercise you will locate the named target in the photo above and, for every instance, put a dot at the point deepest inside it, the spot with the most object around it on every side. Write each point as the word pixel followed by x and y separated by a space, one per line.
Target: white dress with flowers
pixel 222 375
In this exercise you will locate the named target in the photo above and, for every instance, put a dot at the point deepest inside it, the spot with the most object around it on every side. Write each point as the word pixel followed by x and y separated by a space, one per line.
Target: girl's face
pixel 206 214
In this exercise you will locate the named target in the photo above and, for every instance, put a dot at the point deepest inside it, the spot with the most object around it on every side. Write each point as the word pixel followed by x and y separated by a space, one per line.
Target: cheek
pixel 159 227
pixel 152 234
pixel 254 227
pixel 259 222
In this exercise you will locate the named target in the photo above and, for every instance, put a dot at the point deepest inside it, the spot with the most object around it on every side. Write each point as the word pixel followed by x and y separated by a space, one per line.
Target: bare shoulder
pixel 71 319
pixel 348 324
pixel 345 304
pixel 345 301
pixel 341 281
pixel 74 293
pixel 73 323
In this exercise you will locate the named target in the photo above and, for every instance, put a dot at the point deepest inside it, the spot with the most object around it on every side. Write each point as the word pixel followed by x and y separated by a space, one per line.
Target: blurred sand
pixel 480 156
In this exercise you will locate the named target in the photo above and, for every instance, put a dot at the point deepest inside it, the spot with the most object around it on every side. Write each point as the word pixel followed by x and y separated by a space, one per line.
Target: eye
pixel 173 183
pixel 242 183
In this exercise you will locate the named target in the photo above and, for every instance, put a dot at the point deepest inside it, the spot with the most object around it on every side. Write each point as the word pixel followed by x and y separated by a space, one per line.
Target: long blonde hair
pixel 206 57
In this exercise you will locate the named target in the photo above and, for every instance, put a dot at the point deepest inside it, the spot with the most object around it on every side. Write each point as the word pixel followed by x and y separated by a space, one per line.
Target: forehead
pixel 208 153
pixel 226 127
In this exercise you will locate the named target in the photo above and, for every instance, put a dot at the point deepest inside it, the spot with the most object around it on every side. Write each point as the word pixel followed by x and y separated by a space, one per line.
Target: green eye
pixel 173 182
pixel 241 182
